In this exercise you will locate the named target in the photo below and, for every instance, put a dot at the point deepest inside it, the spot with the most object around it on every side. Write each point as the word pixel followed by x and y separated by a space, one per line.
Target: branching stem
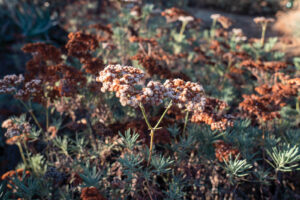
pixel 153 129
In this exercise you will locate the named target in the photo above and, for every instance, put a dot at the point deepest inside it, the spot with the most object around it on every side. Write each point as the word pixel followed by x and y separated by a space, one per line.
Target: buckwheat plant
pixel 264 24
pixel 124 80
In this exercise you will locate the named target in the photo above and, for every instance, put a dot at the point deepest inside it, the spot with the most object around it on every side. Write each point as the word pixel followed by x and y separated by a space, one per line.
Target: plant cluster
pixel 152 105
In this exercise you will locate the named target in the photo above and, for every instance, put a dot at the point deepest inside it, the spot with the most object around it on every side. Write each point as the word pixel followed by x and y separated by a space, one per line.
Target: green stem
pixel 22 153
pixel 162 116
pixel 47 118
pixel 32 114
pixel 263 33
pixel 151 146
pixel 153 129
pixel 145 116
pixel 184 23
pixel 185 121
pixel 26 147
pixel 226 71
pixel 90 130
pixel 298 105
pixel 213 28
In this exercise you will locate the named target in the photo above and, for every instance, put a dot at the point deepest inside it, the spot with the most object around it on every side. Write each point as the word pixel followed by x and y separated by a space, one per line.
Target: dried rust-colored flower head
pixel 91 193
pixel 269 66
pixel 212 115
pixel 43 51
pixel 224 150
pixel 80 44
pixel 93 66
pixel 271 99
pixel 153 67
pixel 12 173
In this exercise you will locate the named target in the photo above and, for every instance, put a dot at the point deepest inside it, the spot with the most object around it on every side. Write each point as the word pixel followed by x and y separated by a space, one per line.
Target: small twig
pixel 148 190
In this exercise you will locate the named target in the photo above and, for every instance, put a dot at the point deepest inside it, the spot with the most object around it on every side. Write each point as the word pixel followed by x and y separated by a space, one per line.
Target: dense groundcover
pixel 142 100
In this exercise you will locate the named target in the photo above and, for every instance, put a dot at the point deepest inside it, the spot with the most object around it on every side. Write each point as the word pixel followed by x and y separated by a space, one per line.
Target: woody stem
pixel 151 146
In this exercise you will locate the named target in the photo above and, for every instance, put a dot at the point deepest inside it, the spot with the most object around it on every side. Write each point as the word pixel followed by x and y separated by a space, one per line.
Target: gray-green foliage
pixel 161 164
pixel 129 140
pixel 285 157
pixel 26 187
pixel 175 189
pixel 63 144
pixel 91 176
pixel 37 163
pixel 236 168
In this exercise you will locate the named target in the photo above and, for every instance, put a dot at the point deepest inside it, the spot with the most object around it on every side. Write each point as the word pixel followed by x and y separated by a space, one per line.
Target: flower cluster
pixel 153 93
pixel 223 151
pixel 42 51
pixel 10 174
pixel 238 35
pixel 266 105
pixel 224 21
pixel 263 20
pixel 269 66
pixel 9 83
pixel 212 115
pixel 186 95
pixel 32 88
pixel 173 14
pixel 153 67
pixel 91 193
pixel 80 43
pixel 15 131
pixel 119 79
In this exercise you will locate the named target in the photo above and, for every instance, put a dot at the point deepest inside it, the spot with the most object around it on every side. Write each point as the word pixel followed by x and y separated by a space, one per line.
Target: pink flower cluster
pixel 9 83
pixel 123 81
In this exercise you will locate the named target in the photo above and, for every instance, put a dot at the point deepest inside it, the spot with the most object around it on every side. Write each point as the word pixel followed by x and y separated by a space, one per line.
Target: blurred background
pixel 24 21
